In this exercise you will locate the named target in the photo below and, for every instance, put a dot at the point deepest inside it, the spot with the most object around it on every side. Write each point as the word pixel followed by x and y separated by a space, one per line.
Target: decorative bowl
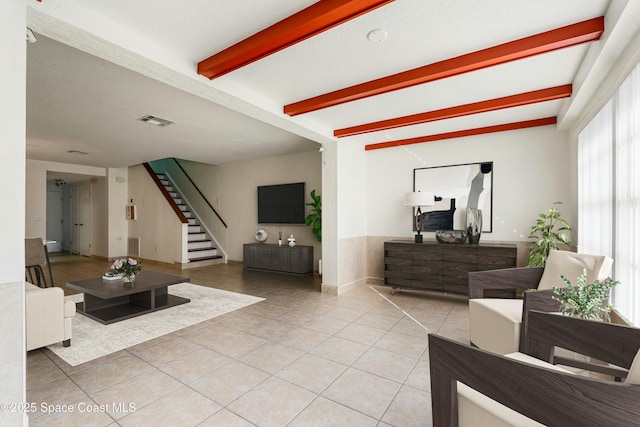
pixel 451 236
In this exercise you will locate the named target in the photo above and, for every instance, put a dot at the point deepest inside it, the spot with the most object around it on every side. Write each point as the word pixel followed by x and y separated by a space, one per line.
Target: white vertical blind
pixel 595 185
pixel 627 196
pixel 609 192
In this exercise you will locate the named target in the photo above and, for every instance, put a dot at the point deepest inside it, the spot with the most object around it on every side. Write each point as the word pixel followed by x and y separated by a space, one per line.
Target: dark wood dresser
pixel 439 266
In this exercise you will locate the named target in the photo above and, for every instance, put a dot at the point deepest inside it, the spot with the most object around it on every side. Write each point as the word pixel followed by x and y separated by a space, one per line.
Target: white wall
pixel 13 22
pixel 531 172
pixel 157 226
pixel 118 226
pixel 232 190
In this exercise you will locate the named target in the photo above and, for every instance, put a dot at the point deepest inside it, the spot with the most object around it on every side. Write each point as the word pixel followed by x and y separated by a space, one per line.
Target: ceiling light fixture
pixel 377 36
pixel 155 121
pixel 31 37
pixel 82 153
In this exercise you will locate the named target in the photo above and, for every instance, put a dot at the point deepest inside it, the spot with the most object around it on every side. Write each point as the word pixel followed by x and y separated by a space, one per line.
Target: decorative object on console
pixel 280 238
pixel 292 241
pixel 127 268
pixel 456 187
pixel 451 236
pixel 474 225
pixel 261 235
pixel 418 199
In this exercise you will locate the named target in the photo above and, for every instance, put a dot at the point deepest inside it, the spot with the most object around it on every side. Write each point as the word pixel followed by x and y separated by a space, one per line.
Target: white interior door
pixel 85 220
pixel 74 244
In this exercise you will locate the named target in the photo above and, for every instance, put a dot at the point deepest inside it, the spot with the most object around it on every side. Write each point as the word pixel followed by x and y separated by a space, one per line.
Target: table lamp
pixel 417 199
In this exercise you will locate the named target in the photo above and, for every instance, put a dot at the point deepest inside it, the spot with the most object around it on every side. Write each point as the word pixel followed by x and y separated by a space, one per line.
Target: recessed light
pixel 82 153
pixel 377 36
pixel 155 121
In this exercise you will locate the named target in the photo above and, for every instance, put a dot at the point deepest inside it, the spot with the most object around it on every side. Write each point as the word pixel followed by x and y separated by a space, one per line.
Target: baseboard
pixel 341 289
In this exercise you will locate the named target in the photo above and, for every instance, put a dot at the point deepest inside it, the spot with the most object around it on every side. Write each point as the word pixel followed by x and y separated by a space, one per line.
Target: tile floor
pixel 299 358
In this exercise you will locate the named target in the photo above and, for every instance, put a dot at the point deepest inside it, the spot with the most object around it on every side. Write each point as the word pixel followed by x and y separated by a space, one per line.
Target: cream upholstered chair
pixel 35 256
pixel 495 324
pixel 48 316
pixel 474 387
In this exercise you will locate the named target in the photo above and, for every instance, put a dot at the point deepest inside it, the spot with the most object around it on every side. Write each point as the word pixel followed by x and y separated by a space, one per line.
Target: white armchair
pixel 48 316
pixel 495 324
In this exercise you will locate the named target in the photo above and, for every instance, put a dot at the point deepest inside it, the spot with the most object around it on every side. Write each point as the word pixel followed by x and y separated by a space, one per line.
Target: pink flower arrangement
pixel 126 266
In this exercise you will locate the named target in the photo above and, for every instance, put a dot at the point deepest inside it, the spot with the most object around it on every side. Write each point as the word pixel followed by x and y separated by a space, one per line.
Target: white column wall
pixel 13 24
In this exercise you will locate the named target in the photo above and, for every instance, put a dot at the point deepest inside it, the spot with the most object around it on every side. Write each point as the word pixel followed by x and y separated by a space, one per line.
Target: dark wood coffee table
pixel 109 301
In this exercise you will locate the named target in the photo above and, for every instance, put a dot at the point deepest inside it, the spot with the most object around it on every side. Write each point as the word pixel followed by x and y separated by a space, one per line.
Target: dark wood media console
pixel 440 266
pixel 280 259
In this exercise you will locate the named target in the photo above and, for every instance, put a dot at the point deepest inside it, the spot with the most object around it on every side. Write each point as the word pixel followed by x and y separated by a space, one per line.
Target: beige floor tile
pixel 267 309
pixel 362 391
pixel 326 324
pixel 41 370
pixel 183 407
pixel 386 364
pixel 167 350
pixel 302 339
pixel 409 327
pixel 225 418
pixel 312 372
pixel 227 383
pixel 138 391
pixel 81 413
pixel 58 392
pixel 194 365
pixel 326 413
pixel 340 350
pixel 110 372
pixel 296 317
pixel 242 322
pixel 274 402
pixel 380 321
pixel 410 408
pixel 420 376
pixel 234 345
pixel 361 333
pixel 270 329
pixel 271 357
pixel 345 313
pixel 398 343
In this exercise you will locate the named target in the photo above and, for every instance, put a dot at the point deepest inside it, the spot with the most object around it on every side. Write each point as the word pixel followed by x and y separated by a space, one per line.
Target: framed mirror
pixel 456 187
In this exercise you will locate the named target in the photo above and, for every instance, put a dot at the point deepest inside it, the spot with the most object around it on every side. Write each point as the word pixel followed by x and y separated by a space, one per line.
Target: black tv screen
pixel 281 204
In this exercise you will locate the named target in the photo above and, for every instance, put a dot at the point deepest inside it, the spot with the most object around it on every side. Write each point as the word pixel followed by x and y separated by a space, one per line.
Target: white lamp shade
pixel 419 198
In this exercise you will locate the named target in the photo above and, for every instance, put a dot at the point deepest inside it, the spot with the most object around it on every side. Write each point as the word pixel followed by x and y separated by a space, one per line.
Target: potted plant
pixel 314 219
pixel 585 301
pixel 548 232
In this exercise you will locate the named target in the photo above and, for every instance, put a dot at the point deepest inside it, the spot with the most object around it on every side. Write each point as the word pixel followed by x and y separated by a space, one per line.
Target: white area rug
pixel 90 339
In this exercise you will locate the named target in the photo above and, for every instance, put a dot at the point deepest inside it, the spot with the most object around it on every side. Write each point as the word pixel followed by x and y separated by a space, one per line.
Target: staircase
pixel 201 250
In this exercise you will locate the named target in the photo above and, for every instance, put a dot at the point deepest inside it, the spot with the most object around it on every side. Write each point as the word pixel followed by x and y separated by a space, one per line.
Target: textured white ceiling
pixel 78 101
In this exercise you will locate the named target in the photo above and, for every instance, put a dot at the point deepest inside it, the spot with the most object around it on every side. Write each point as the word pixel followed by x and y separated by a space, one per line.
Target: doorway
pixel 80 209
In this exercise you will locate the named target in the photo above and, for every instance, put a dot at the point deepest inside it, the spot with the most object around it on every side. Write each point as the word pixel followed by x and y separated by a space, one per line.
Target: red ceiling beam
pixel 462 133
pixel 313 20
pixel 522 48
pixel 526 98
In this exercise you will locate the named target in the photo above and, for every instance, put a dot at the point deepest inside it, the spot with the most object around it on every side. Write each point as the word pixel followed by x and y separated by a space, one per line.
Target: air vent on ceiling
pixel 82 153
pixel 156 121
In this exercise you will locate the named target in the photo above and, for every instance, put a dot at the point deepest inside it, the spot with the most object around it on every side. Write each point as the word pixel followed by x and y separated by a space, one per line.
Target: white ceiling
pixel 78 101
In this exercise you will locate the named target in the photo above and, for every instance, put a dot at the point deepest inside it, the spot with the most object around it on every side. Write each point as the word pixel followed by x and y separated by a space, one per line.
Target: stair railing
pixel 209 218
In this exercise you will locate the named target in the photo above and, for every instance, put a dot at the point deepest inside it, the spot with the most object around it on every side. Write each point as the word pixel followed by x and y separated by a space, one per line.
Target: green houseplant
pixel 585 301
pixel 548 233
pixel 314 219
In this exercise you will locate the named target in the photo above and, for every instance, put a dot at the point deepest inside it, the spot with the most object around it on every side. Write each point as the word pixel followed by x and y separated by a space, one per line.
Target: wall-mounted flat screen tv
pixel 281 204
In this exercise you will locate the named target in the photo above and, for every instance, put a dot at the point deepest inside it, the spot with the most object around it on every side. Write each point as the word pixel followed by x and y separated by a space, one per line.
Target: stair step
pixel 188 214
pixel 183 207
pixel 197 236
pixel 192 221
pixel 202 252
pixel 169 188
pixel 178 200
pixel 195 228
pixel 200 244
pixel 205 258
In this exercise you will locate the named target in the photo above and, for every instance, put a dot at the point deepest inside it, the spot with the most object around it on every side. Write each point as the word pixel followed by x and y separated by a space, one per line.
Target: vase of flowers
pixel 127 268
